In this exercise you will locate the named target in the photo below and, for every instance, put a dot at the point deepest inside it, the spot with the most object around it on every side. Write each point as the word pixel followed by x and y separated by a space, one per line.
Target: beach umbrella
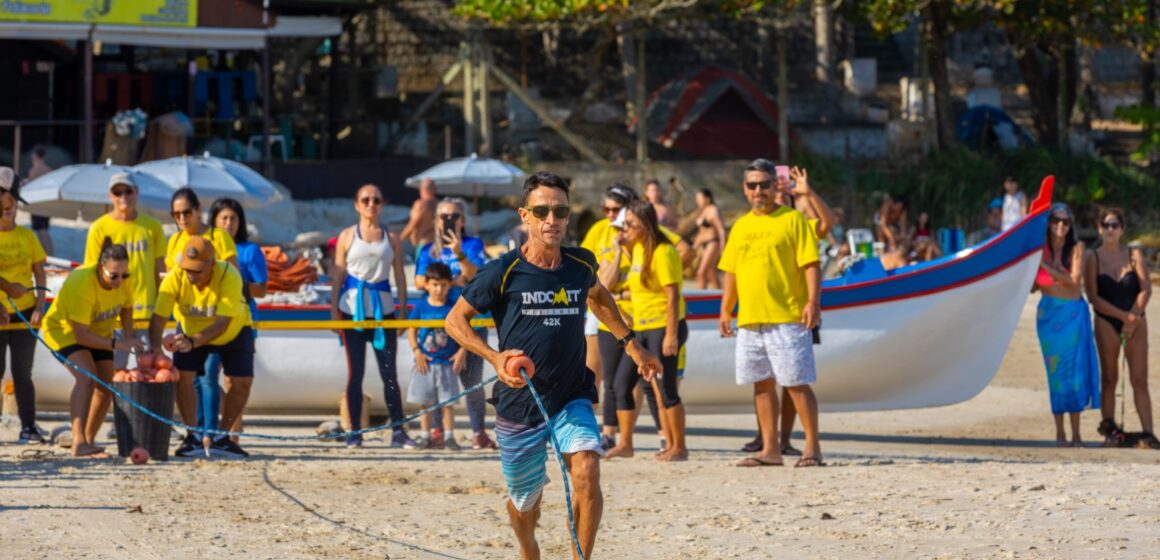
pixel 473 176
pixel 213 178
pixel 83 191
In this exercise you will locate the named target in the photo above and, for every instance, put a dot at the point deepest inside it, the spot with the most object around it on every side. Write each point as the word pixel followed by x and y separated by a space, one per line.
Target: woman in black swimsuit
pixel 709 240
pixel 1119 288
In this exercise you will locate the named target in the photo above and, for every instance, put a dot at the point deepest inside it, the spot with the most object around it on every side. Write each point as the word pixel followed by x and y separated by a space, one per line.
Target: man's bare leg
pixel 788 415
pixel 587 498
pixel 237 391
pixel 807 406
pixel 524 525
pixel 765 401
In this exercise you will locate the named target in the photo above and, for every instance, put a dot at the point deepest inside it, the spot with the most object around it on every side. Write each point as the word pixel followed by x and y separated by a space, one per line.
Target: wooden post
pixel 782 97
pixel 641 125
pixel 571 139
pixel 267 163
pixel 86 150
pixel 488 145
pixel 469 101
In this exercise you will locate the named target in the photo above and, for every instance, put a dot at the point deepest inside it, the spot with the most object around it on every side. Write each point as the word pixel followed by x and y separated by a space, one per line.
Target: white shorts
pixel 591 324
pixel 784 352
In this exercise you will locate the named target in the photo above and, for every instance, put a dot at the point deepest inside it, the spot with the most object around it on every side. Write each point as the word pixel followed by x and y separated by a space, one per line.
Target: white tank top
pixel 371 262
pixel 1012 209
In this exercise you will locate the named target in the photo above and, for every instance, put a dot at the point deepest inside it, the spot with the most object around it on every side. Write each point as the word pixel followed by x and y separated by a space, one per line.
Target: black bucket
pixel 137 429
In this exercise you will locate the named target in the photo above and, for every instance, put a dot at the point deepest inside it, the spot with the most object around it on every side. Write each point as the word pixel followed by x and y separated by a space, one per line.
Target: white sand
pixel 980 479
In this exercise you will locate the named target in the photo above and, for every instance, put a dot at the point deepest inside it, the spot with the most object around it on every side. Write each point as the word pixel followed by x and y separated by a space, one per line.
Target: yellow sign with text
pixel 165 13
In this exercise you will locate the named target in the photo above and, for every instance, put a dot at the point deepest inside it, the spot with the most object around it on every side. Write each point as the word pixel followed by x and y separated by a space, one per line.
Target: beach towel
pixel 1069 353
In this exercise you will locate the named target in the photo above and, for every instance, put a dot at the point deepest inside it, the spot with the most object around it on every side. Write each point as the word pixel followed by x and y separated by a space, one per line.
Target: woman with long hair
pixel 226 214
pixel 1063 324
pixel 79 326
pixel 1119 288
pixel 708 240
pixel 185 208
pixel 658 311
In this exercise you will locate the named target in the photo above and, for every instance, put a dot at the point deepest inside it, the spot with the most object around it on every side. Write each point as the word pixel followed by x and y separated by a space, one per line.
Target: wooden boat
pixel 924 335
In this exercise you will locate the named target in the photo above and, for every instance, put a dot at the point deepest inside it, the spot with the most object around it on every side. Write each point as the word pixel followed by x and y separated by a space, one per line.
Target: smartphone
pixel 448 227
pixel 816 334
pixel 782 172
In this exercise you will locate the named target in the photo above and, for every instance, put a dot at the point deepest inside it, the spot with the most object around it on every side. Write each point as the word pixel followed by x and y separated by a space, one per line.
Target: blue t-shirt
pixel 472 249
pixel 252 265
pixel 435 343
pixel 540 312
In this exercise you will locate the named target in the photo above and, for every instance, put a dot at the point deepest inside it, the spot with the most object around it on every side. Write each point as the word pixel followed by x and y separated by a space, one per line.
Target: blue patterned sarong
pixel 1069 353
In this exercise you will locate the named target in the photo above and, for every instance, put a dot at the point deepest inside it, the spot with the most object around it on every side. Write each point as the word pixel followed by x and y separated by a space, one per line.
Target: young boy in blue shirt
pixel 438 359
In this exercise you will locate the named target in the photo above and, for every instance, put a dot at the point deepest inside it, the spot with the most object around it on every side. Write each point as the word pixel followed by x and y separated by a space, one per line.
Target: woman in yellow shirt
pixel 205 297
pixel 79 326
pixel 186 211
pixel 658 307
pixel 21 269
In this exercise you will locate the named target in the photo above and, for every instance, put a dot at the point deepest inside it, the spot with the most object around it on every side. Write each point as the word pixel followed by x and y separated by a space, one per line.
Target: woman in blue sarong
pixel 1064 325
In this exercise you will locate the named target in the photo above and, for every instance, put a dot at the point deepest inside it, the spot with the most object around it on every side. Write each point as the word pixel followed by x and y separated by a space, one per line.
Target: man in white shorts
pixel 771 268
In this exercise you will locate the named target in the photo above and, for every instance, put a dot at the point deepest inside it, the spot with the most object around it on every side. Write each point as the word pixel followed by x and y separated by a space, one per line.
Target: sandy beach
pixel 981 479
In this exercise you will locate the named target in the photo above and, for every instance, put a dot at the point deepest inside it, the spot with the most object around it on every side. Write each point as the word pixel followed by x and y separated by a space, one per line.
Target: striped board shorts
pixel 523 450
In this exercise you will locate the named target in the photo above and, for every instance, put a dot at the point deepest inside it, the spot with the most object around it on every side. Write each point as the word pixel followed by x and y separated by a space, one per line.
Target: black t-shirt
pixel 540 312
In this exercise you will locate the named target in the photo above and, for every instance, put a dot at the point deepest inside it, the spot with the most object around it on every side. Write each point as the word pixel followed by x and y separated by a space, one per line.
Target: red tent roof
pixel 713 113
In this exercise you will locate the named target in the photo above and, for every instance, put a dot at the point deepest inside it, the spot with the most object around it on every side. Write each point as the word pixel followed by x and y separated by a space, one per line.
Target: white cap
pixel 122 179
pixel 7 178
pixel 618 221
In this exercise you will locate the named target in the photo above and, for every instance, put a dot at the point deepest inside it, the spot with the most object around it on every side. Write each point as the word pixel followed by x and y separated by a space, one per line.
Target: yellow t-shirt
pixel 19 250
pixel 223 246
pixel 196 310
pixel 600 240
pixel 649 301
pixel 144 240
pixel 82 300
pixel 767 254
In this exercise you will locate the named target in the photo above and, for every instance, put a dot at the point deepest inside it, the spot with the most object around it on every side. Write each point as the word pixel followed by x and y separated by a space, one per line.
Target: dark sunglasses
pixel 118 193
pixel 452 216
pixel 116 275
pixel 541 212
pixel 763 185
pixel 611 209
pixel 1058 220
pixel 1111 225
pixel 182 213
pixel 369 200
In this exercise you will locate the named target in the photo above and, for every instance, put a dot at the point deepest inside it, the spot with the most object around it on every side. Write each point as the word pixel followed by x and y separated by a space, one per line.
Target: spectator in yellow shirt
pixel 771 268
pixel 205 297
pixel 658 311
pixel 80 327
pixel 21 270
pixel 186 211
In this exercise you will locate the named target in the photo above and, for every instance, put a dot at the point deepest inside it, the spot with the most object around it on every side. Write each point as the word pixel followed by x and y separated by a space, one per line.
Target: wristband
pixel 460 256
pixel 623 343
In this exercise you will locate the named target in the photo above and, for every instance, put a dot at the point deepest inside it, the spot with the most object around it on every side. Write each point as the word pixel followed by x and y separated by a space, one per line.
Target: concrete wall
pixel 850 142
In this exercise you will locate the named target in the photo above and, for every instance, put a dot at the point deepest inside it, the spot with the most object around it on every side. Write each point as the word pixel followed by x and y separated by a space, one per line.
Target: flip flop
pixel 806 462
pixel 757 462
pixel 791 450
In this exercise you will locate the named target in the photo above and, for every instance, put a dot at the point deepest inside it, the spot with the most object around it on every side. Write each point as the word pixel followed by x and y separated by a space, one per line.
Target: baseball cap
pixel 197 255
pixel 122 179
pixel 995 203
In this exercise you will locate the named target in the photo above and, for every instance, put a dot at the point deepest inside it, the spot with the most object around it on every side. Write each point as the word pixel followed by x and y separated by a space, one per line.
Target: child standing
pixel 438 359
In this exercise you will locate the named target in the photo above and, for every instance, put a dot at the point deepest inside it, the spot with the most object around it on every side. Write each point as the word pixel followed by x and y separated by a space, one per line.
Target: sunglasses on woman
pixel 1111 225
pixel 182 213
pixel 454 216
pixel 1057 220
pixel 611 209
pixel 370 200
pixel 116 275
pixel 541 212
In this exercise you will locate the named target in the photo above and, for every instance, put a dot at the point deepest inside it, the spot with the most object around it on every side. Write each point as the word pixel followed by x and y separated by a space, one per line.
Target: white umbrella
pixel 473 176
pixel 83 191
pixel 213 178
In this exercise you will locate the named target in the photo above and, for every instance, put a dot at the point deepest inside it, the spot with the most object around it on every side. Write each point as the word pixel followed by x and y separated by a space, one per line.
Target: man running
pixel 538 294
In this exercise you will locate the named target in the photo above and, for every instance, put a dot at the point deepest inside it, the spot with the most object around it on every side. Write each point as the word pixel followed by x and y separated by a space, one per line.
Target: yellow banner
pixel 165 13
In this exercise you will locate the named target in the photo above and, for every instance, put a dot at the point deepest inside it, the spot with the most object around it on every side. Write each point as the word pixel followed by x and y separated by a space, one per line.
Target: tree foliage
pixel 585 13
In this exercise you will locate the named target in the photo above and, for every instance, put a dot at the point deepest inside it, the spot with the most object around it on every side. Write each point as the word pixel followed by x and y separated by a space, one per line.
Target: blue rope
pixel 559 459
pixel 218 432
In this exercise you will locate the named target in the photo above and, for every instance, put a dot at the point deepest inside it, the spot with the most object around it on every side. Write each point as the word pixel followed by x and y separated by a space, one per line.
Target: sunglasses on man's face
pixel 118 193
pixel 763 185
pixel 1057 220
pixel 1111 225
pixel 182 213
pixel 541 212
pixel 370 201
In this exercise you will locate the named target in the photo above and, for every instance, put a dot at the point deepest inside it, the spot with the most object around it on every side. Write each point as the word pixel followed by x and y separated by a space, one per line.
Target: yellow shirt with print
pixel 197 309
pixel 82 300
pixel 767 254
pixel 144 240
pixel 600 239
pixel 19 250
pixel 223 246
pixel 649 300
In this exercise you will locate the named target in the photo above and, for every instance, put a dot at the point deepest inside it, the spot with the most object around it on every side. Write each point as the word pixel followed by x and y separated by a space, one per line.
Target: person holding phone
pixel 464 255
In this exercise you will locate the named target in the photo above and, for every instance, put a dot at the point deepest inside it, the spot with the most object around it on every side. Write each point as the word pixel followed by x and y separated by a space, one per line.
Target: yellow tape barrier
pixel 312 325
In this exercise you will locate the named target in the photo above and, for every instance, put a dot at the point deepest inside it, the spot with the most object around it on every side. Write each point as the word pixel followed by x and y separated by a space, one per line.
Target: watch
pixel 623 342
